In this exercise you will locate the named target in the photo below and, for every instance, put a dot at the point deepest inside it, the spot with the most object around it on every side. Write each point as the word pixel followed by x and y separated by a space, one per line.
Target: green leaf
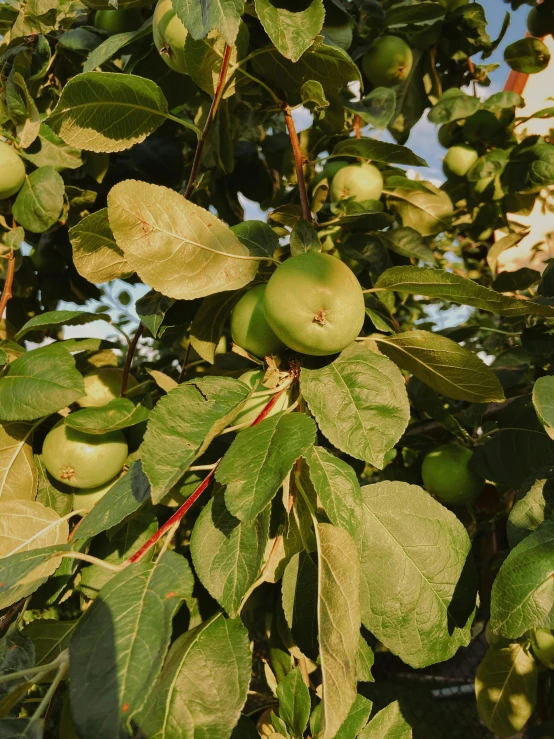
pixel 389 723
pixel 18 474
pixel 294 702
pixel 204 683
pixel 303 238
pixel 38 383
pixel 530 167
pixel 40 201
pixel 356 719
pixel 428 213
pixel 299 598
pixel 418 590
pixel 108 111
pixel 292 32
pixel 53 318
pixel 364 662
pixel 26 526
pixel 122 499
pixel 113 44
pixel 120 413
pixel 534 504
pixel 176 247
pixel 96 256
pixel 151 310
pixel 50 637
pixel 59 500
pixel 528 55
pixel 209 321
pixel 204 60
pixel 423 11
pixel 200 18
pixel 359 402
pixel 444 365
pixel 21 728
pixel 378 151
pixel 22 573
pixel 408 242
pixel 437 283
pixel 523 591
pixel 376 109
pixel 257 236
pixel 227 553
pixel 182 425
pixel 270 448
pixel 328 65
pixel 337 487
pixel 50 150
pixel 543 400
pixel 339 623
pixel 506 689
pixel 128 627
pixel 496 461
pixel 454 105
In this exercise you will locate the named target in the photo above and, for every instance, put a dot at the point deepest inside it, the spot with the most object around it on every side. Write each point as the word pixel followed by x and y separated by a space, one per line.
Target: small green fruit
pixel 360 182
pixel 118 21
pixel 543 646
pixel 254 406
pixel 487 188
pixel 450 134
pixel 83 460
pixel 169 36
pixel 84 500
pixel 446 475
pixel 315 304
pixel 459 159
pixel 12 171
pixel 540 21
pixel 249 327
pixel 388 62
pixel 103 385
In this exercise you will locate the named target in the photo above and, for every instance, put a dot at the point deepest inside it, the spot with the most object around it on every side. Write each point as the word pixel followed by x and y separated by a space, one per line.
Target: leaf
pixel 129 624
pixel 122 499
pixel 294 702
pixel 528 55
pixel 303 238
pixel 120 413
pixel 48 494
pixel 108 111
pixel 165 382
pixel 359 402
pixel 453 105
pixel 53 318
pixel 113 44
pixel 408 242
pixel 292 32
pixel 151 310
pixel 337 487
pixel 299 598
pixel 18 474
pixel 437 283
pixel 27 525
pixel 511 455
pixel 543 400
pixel 50 637
pixel 40 201
pixel 339 623
pixel 328 65
pixel 176 247
pixel 182 425
pixel 271 448
pixel 257 236
pixel 227 553
pixel 429 213
pixel 200 18
pixel 418 584
pixel 364 662
pixel 523 591
pixel 203 684
pixel 209 321
pixel 356 719
pixel 378 151
pixel 506 689
pixel 49 149
pixel 21 728
pixel 534 504
pixel 38 383
pixel 444 365
pixel 376 109
pixel 96 256
pixel 423 11
pixel 388 723
pixel 204 60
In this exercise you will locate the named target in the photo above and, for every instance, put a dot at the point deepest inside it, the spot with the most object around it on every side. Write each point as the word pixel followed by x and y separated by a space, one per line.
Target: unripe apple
pixel 388 62
pixel 12 171
pixel 169 36
pixel 118 21
pixel 459 159
pixel 360 182
pixel 543 646
pixel 446 474
pixel 103 385
pixel 249 327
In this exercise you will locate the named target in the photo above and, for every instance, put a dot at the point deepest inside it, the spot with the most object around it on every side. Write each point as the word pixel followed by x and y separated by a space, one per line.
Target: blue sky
pixel 423 140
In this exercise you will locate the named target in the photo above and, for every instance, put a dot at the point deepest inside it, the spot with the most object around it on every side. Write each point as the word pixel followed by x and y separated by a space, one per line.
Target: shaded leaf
pixel 528 55
pixel 120 413
pixel 294 702
pixel 534 504
pixel 299 598
pixel 40 201
pixel 53 318
pixel 543 400
pixel 292 31
pixel 96 256
pixel 209 321
pixel 378 151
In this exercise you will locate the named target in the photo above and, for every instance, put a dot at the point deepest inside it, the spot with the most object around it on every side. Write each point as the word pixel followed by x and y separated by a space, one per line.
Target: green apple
pixel 357 181
pixel 118 21
pixel 85 499
pixel 459 159
pixel 447 475
pixel 169 36
pixel 103 385
pixel 388 62
pixel 12 171
pixel 543 646
pixel 249 327
pixel 255 405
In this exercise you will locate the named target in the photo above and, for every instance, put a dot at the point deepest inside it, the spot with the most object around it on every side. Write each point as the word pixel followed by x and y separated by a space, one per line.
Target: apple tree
pixel 216 519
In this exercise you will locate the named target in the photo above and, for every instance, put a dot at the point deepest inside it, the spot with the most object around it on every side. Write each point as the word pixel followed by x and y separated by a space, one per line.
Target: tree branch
pixel 209 121
pixel 129 359
pixel 8 284
pixel 298 163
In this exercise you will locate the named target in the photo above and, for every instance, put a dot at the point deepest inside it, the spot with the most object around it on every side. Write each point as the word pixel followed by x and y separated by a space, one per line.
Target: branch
pixel 357 126
pixel 298 163
pixel 8 284
pixel 129 359
pixel 209 121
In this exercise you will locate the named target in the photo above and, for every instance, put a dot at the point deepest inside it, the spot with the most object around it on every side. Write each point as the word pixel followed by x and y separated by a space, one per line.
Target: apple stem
pixel 298 163
pixel 7 291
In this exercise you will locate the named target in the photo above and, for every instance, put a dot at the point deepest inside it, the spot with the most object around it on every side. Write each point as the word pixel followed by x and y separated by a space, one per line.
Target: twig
pixel 471 67
pixel 298 163
pixel 10 616
pixel 8 284
pixel 209 121
pixel 357 126
pixel 129 359
pixel 185 363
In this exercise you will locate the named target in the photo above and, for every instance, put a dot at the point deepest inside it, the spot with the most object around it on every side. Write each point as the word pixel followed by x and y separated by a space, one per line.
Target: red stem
pixel 8 284
pixel 298 163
